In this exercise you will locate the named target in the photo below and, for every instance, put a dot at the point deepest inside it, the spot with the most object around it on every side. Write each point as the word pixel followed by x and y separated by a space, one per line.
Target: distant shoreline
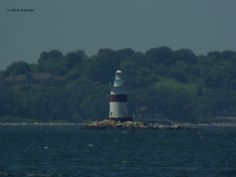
pixel 83 125
pixel 41 124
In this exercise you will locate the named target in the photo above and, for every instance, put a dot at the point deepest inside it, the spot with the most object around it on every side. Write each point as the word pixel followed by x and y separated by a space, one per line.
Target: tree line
pixel 177 85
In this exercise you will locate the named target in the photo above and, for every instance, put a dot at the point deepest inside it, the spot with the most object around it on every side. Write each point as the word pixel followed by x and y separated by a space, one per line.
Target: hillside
pixel 177 85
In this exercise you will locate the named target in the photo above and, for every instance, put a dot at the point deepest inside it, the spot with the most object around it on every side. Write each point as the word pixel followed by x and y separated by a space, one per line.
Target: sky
pixel 69 25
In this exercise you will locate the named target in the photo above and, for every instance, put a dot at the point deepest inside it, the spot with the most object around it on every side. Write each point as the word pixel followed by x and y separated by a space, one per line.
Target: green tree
pixel 161 55
pixel 74 58
pixel 16 68
pixel 185 55
pixel 52 62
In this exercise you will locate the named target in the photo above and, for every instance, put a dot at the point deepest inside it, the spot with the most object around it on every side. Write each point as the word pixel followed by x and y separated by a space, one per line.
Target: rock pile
pixel 111 124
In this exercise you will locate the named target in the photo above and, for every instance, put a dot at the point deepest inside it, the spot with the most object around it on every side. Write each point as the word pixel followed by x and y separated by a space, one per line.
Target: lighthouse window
pixel 111 113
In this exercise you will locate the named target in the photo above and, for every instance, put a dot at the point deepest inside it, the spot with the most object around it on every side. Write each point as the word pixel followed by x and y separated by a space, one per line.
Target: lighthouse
pixel 119 100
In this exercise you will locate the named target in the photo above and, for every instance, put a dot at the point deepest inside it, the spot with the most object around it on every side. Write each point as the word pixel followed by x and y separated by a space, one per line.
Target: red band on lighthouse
pixel 118 98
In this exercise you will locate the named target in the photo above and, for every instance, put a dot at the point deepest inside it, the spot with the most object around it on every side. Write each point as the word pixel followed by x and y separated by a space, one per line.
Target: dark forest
pixel 162 83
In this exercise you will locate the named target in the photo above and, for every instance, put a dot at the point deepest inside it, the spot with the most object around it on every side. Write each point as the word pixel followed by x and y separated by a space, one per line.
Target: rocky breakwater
pixel 136 125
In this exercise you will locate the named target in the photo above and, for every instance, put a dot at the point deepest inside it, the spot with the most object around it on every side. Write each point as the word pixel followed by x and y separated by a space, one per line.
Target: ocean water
pixel 68 151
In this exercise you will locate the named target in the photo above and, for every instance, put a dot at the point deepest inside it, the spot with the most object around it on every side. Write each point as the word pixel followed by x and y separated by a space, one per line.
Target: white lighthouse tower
pixel 119 100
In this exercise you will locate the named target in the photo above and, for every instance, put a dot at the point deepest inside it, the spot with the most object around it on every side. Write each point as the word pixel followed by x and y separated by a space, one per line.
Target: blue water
pixel 61 151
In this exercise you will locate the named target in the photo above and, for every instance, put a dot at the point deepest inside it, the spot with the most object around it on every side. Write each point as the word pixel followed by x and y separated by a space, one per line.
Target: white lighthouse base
pixel 119 112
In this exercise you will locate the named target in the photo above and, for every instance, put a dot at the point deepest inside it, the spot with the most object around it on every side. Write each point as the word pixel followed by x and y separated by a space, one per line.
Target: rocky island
pixel 118 113
pixel 137 125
